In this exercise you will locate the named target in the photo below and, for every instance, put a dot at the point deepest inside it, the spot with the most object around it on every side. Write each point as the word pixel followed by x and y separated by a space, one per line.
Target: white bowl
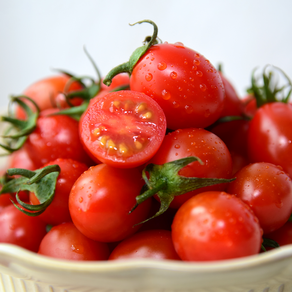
pixel 22 270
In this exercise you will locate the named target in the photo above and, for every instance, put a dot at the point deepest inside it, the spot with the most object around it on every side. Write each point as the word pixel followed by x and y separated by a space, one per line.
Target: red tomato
pixel 101 199
pixel 45 91
pixel 184 83
pixel 123 129
pixel 20 229
pixel 283 235
pixel 270 135
pixel 21 159
pixel 232 104
pixel 267 189
pixel 249 106
pixel 118 81
pixel 207 146
pixel 154 244
pixel 215 226
pixel 58 210
pixel 5 200
pixel 65 241
pixel 55 136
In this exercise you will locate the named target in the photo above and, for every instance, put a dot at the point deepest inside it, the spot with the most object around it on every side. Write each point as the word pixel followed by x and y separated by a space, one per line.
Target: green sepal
pixel 128 67
pixel 41 182
pixel 267 242
pixel 166 183
pixel 269 90
pixel 16 134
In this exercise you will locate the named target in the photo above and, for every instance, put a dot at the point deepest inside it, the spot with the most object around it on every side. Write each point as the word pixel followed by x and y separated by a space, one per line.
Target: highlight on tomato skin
pixel 123 129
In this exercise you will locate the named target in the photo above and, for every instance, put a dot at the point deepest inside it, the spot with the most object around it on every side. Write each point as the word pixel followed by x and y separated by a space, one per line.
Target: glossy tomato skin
pixel 21 159
pixel 270 135
pixel 65 241
pixel 119 80
pixel 101 199
pixel 58 210
pixel 184 83
pixel 20 229
pixel 123 129
pixel 215 226
pixel 283 235
pixel 212 151
pixel 267 189
pixel 55 136
pixel 45 92
pixel 154 244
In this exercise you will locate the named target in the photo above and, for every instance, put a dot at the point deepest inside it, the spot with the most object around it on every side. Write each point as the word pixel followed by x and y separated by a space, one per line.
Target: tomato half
pixel 123 129
pixel 184 83
pixel 215 226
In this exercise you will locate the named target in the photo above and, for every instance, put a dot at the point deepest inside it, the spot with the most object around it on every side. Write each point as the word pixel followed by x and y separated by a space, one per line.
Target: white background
pixel 39 35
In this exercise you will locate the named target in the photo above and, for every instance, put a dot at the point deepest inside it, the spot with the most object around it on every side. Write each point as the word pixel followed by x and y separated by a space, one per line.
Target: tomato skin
pixel 123 129
pixel 283 235
pixel 101 199
pixel 267 189
pixel 217 162
pixel 55 136
pixel 270 135
pixel 58 210
pixel 154 244
pixel 184 83
pixel 45 91
pixel 20 229
pixel 21 159
pixel 65 241
pixel 215 226
pixel 119 80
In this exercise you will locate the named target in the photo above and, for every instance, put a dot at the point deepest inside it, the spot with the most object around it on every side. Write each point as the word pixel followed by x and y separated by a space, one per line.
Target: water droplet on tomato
pixel 80 200
pixel 189 109
pixel 197 55
pixel 203 87
pixel 173 75
pixel 196 62
pixel 180 89
pixel 148 77
pixel 161 66
pixel 176 146
pixel 179 45
pixel 175 104
pixel 199 73
pixel 165 95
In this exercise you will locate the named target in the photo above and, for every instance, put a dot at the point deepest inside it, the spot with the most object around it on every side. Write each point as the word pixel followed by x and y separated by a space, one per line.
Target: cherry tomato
pixel 154 244
pixel 123 129
pixel 45 91
pixel 205 145
pixel 184 83
pixel 101 199
pixel 20 229
pixel 5 200
pixel 270 135
pixel 55 136
pixel 267 189
pixel 58 210
pixel 283 235
pixel 21 159
pixel 118 81
pixel 65 241
pixel 215 226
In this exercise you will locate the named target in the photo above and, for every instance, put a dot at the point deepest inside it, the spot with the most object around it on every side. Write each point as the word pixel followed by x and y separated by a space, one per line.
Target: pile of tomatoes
pixel 159 159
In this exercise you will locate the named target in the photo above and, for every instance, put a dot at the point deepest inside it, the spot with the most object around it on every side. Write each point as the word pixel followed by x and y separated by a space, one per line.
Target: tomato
pixel 45 91
pixel 270 135
pixel 58 210
pixel 55 136
pixel 101 199
pixel 123 129
pixel 118 81
pixel 20 229
pixel 21 159
pixel 184 83
pixel 215 226
pixel 267 189
pixel 205 145
pixel 154 244
pixel 283 235
pixel 232 104
pixel 65 241
pixel 249 105
pixel 5 200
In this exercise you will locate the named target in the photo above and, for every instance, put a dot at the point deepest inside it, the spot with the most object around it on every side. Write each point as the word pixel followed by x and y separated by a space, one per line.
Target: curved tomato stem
pixel 127 67
pixel 166 183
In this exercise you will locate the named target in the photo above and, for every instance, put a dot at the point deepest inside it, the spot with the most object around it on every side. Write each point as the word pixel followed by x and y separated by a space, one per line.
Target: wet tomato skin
pixel 212 151
pixel 65 241
pixel 267 189
pixel 122 129
pixel 183 82
pixel 101 199
pixel 215 226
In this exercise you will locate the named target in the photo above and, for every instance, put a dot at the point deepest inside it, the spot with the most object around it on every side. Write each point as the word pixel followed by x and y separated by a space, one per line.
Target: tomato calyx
pixel 127 67
pixel 269 90
pixel 42 182
pixel 267 242
pixel 15 135
pixel 165 182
